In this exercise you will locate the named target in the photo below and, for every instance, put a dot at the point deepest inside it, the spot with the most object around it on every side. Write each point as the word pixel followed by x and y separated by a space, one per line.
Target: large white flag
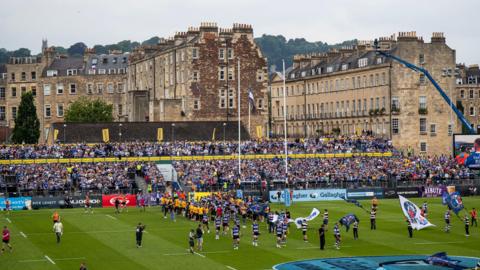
pixel 412 212
pixel 313 215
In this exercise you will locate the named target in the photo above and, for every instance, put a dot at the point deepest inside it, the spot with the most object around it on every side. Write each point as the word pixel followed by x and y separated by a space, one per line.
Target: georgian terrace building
pixel 354 90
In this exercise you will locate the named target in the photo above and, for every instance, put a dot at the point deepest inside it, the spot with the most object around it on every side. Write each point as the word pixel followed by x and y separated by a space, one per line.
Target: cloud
pixel 23 23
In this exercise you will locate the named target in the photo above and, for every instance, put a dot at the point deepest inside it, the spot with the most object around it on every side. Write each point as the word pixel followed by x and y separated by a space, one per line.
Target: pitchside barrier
pixel 187 158
pixel 65 202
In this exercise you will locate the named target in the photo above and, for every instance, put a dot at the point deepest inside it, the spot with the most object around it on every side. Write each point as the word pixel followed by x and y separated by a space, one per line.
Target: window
pixel 395 126
pixel 124 60
pixel 99 88
pixel 71 72
pixel 433 128
pixel 194 53
pixel 14 112
pixel 230 53
pixel 259 76
pixel 23 76
pixel 46 89
pixel 105 60
pixel 362 62
pixel 12 76
pixel 23 89
pixel 120 87
pixel 94 61
pixel 422 102
pixel 421 58
pixel 329 69
pixel 450 130
pixel 371 80
pixel 48 110
pixel 462 94
pixel 2 93
pixel 221 73
pixel 59 88
pixel 102 71
pixel 231 98
pixel 221 53
pixel 2 113
pixel 222 98
pixel 59 110
pixel 121 71
pixel 34 75
pixel 195 76
pixel 73 88
pixel 196 104
pixel 34 90
pixel 422 79
pixel 52 73
pixel 423 147
pixel 114 60
pixel 110 88
pixel 423 125
pixel 344 66
pixel 89 88
pixel 120 109
pixel 384 78
pixel 260 103
pixel 112 71
pixel 472 111
pixel 379 60
pixel 471 94
pixel 91 71
pixel 377 103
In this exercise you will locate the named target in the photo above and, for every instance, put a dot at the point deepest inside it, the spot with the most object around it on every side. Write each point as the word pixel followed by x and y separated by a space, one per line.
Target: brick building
pixel 467 93
pixel 194 76
pixel 354 90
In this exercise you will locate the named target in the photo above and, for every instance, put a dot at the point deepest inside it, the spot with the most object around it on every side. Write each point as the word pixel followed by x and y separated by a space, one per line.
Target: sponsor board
pixel 197 196
pixel 17 203
pixel 409 192
pixel 310 195
pixel 408 262
pixel 364 193
pixel 65 202
pixel 109 200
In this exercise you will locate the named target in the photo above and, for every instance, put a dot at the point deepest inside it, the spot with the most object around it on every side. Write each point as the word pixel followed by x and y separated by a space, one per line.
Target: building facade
pixel 194 76
pixel 353 90
pixel 468 93
pixel 56 81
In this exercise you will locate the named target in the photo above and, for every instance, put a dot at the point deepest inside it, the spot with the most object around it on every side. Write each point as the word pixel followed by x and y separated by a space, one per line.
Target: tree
pixel 85 110
pixel 77 49
pixel 27 125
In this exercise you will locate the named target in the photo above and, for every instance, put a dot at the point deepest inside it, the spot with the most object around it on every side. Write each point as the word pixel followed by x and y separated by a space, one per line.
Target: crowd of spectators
pixel 185 148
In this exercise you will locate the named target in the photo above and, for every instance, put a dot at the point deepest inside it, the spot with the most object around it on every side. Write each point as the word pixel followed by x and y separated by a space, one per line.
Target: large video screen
pixel 466 149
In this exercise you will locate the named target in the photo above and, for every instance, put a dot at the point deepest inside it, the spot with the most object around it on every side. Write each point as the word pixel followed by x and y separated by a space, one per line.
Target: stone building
pixel 353 90
pixel 56 81
pixel 194 77
pixel 467 93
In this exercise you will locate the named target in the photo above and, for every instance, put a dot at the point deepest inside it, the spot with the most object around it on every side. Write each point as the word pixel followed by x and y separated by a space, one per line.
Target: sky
pixel 23 23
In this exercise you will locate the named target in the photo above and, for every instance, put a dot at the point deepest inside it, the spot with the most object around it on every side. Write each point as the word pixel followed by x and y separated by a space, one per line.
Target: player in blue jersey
pixel 236 236
pixel 336 234
pixel 218 224
pixel 205 221
pixel 279 233
pixel 256 233
pixel 225 222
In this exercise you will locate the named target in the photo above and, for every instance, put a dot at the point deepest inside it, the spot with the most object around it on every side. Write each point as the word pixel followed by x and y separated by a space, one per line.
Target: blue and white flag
pixel 312 216
pixel 454 202
pixel 251 99
pixel 412 212
pixel 348 220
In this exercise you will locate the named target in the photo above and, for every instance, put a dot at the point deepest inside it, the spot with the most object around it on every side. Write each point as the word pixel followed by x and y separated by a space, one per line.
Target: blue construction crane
pixel 430 78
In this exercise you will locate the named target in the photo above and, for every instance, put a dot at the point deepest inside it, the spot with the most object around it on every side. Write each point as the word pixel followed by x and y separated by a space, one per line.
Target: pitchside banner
pixel 17 203
pixel 65 202
pixel 310 195
pixel 109 200
pixel 359 194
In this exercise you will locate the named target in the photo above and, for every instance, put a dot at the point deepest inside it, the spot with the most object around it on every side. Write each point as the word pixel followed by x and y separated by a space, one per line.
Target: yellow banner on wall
pixel 55 134
pixel 105 135
pixel 159 134
pixel 259 132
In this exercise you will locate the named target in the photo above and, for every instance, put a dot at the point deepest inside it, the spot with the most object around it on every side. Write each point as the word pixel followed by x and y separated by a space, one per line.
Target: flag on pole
pixel 355 202
pixel 412 212
pixel 251 99
pixel 454 202
pixel 312 216
pixel 348 220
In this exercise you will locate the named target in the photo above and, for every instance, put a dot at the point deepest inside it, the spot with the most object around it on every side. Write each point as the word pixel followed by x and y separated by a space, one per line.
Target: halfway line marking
pixel 9 221
pixel 112 217
pixel 50 260
pixel 24 235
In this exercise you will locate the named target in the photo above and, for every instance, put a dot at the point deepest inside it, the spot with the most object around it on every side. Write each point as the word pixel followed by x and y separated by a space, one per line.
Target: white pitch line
pixel 50 260
pixel 9 221
pixel 70 259
pixel 201 255
pixel 112 217
pixel 24 235
pixel 436 243
pixel 231 268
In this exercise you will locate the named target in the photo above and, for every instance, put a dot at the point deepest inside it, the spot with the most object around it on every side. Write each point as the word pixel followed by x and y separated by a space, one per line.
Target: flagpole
pixel 285 121
pixel 249 109
pixel 239 136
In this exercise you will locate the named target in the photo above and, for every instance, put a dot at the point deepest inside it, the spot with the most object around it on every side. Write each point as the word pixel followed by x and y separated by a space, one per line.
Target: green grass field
pixel 107 241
